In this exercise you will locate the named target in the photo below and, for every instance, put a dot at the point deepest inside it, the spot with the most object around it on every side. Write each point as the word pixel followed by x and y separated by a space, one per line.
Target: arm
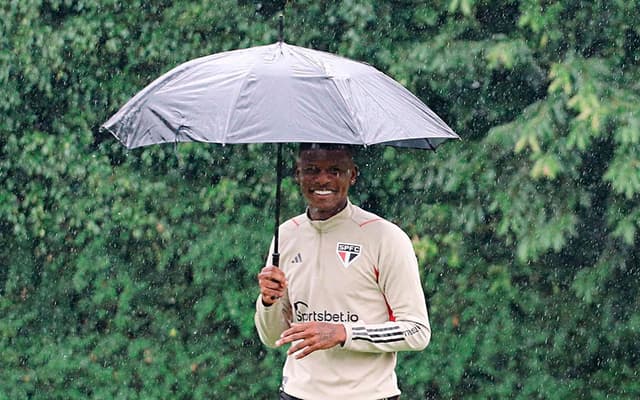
pixel 273 312
pixel 399 281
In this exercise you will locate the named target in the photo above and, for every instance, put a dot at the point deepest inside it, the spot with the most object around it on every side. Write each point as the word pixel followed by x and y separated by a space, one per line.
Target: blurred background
pixel 131 274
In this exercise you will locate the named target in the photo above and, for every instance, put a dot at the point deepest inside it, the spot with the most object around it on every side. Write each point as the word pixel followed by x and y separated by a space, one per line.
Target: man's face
pixel 325 177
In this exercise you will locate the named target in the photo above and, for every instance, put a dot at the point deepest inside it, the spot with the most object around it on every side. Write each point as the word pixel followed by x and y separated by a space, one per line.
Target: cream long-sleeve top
pixel 358 270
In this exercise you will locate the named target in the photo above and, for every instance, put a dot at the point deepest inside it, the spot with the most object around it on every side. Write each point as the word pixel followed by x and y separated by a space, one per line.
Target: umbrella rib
pixel 354 122
pixel 431 146
pixel 376 100
pixel 233 105
pixel 166 123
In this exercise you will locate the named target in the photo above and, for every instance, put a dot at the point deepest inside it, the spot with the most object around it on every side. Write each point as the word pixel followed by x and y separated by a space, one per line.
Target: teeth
pixel 322 192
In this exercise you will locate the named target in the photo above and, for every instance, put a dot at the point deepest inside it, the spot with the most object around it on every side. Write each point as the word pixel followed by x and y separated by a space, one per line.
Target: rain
pixel 131 273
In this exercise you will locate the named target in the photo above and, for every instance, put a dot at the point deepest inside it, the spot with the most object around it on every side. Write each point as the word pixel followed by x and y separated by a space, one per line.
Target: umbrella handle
pixel 276 254
pixel 275 260
pixel 275 257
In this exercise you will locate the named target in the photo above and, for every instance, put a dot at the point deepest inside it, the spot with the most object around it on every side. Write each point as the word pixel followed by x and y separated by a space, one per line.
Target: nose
pixel 324 176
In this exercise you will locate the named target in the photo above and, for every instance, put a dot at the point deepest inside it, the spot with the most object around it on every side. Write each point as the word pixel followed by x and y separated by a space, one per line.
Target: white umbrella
pixel 277 93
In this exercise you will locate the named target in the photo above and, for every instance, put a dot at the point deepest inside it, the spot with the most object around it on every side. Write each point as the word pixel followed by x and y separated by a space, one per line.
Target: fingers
pixel 312 336
pixel 273 284
pixel 301 350
pixel 305 342
pixel 296 332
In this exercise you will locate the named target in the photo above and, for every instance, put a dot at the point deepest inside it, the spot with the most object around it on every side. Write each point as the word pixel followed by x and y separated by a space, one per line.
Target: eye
pixel 310 171
pixel 335 171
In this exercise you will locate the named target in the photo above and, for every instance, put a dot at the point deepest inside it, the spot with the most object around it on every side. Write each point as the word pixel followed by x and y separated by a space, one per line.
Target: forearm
pixel 270 322
pixel 390 336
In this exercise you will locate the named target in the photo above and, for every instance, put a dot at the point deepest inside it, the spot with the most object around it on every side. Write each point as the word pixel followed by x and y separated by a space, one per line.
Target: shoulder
pixel 375 224
pixel 294 223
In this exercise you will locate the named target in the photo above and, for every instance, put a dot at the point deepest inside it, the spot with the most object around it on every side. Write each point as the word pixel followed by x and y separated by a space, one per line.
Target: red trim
pixel 369 221
pixel 392 317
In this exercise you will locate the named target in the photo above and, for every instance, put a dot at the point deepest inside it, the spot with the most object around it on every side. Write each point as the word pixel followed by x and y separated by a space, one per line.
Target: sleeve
pixel 399 281
pixel 272 320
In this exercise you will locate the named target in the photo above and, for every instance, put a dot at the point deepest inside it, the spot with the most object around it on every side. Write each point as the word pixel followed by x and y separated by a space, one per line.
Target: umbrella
pixel 277 93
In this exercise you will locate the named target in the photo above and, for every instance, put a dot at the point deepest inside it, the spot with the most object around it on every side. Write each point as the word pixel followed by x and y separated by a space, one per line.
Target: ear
pixel 296 175
pixel 354 175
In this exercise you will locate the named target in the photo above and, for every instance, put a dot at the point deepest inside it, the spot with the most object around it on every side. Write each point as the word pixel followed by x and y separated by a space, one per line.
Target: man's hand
pixel 272 284
pixel 312 336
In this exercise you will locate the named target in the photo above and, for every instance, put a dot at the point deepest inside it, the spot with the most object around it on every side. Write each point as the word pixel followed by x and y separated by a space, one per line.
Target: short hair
pixel 326 146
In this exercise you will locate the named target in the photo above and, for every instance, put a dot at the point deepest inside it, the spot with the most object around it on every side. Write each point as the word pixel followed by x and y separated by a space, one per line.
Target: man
pixel 347 295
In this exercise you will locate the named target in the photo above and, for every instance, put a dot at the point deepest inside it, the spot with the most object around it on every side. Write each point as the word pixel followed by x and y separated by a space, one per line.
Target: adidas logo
pixel 297 259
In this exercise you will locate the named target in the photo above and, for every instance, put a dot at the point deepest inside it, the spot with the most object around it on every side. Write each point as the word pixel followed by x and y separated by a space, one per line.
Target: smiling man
pixel 325 174
pixel 347 296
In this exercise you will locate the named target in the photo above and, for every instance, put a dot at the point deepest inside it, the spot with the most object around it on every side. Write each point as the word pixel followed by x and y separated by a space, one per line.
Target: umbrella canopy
pixel 276 94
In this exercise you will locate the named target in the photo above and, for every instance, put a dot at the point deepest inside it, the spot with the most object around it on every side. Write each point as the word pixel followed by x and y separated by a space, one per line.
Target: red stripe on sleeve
pixel 392 317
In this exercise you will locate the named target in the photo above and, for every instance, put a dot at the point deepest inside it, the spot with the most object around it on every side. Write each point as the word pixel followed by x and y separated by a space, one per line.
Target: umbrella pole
pixel 275 257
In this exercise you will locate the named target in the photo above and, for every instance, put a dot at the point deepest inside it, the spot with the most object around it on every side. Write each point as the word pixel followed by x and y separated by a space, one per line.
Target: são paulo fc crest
pixel 347 253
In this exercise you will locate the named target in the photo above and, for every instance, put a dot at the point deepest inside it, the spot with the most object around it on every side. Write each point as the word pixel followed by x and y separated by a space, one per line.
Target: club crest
pixel 347 253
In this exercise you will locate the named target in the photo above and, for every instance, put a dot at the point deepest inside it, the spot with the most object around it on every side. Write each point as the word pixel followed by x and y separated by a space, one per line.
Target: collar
pixel 330 223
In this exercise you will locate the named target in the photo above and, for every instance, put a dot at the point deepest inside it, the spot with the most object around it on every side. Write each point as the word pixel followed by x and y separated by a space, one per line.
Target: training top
pixel 358 270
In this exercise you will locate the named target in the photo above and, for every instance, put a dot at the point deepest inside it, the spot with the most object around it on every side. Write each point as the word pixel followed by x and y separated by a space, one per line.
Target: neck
pixel 315 214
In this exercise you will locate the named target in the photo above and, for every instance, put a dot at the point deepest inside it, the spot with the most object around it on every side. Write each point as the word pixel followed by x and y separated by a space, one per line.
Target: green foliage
pixel 132 274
